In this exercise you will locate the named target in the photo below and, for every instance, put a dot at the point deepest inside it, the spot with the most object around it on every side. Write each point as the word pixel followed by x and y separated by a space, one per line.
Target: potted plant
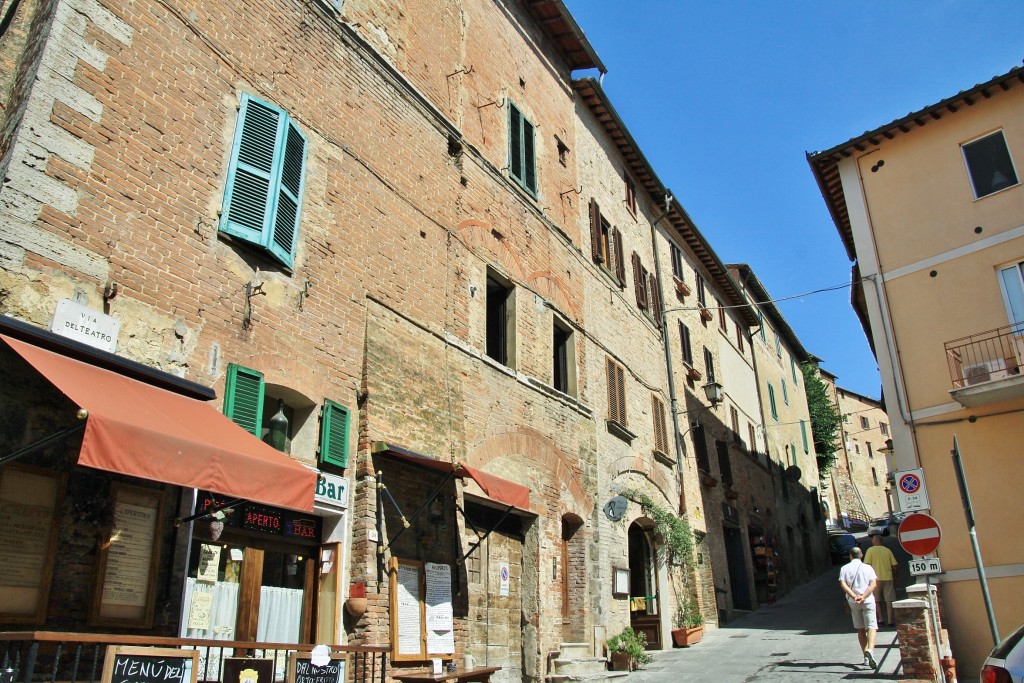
pixel 628 650
pixel 688 624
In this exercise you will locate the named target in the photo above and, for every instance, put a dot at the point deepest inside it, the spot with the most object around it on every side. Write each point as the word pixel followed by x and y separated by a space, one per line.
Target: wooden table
pixel 479 674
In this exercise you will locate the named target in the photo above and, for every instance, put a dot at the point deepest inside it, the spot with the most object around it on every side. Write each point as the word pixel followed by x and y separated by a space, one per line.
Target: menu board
pixel 128 558
pixel 440 617
pixel 302 669
pixel 406 609
pixel 127 664
pixel 29 503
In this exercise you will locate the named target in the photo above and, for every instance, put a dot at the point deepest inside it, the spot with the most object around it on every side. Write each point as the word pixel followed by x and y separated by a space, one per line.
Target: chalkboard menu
pixel 302 670
pixel 126 664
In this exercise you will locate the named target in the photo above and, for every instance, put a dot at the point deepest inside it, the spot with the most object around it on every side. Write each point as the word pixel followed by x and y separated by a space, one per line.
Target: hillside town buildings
pixel 340 326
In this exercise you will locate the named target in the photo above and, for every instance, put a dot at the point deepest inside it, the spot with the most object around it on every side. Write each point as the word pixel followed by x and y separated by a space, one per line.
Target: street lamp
pixel 887 450
pixel 713 390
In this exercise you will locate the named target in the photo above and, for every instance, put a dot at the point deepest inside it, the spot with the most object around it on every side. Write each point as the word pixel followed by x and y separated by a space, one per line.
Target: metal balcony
pixel 986 367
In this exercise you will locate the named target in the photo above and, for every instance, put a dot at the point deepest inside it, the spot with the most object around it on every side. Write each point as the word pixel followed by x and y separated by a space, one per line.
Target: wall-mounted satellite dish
pixel 615 508
pixel 792 474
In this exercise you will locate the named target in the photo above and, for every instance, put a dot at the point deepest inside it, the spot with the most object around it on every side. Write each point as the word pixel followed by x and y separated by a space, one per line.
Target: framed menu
pixel 30 503
pixel 129 553
pixel 422 619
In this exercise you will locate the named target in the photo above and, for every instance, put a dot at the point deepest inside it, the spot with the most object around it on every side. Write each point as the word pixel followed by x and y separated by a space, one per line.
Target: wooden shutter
pixel 529 161
pixel 620 384
pixel 620 257
pixel 243 398
pixel 334 421
pixel 660 430
pixel 613 400
pixel 655 299
pixel 265 179
pixel 639 282
pixel 684 340
pixel 249 193
pixel 289 196
pixel 515 142
pixel 595 232
pixel 616 392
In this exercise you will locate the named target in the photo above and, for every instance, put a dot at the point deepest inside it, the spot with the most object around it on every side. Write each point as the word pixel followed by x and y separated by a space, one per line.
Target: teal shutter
pixel 785 393
pixel 334 421
pixel 515 142
pixel 771 400
pixel 760 319
pixel 243 398
pixel 265 179
pixel 803 433
pixel 529 161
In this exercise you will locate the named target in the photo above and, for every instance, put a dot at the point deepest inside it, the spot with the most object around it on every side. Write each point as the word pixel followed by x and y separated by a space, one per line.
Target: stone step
pixel 575 650
pixel 581 665
pixel 586 678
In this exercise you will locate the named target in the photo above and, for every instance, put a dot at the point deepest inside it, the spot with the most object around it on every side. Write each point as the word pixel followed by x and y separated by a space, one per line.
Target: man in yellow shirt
pixel 883 562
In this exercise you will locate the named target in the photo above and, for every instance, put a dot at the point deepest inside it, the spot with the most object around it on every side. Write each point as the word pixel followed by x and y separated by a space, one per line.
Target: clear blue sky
pixel 726 97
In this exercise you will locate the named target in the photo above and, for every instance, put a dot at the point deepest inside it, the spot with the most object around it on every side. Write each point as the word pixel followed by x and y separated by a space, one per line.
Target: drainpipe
pixel 662 315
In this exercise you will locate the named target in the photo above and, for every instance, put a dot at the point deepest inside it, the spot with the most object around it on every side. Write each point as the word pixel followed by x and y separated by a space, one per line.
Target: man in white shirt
pixel 858 583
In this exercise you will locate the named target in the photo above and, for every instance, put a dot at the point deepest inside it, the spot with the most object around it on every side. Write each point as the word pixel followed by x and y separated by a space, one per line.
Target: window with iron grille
pixel 660 428
pixel 616 378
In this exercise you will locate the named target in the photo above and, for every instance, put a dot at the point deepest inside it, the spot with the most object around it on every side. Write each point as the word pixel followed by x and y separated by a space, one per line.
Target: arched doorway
pixel 643 585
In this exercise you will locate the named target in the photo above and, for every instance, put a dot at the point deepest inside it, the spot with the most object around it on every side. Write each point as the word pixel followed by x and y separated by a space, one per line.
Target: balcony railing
pixel 52 657
pixel 986 356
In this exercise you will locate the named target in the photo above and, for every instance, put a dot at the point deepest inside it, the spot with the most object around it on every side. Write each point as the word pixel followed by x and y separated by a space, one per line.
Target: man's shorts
pixel 864 615
pixel 885 590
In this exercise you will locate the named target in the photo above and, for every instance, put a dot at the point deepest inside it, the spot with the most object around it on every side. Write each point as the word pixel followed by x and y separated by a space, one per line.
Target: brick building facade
pixel 449 273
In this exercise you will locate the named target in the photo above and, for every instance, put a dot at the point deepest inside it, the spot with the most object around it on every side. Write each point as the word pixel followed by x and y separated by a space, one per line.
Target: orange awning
pixel 144 431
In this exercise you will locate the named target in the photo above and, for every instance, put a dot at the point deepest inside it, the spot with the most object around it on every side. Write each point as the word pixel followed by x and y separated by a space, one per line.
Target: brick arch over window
pixel 640 466
pixel 551 287
pixel 479 235
pixel 537 449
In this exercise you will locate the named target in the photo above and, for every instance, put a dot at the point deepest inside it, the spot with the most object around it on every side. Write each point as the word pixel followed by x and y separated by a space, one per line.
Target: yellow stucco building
pixel 930 208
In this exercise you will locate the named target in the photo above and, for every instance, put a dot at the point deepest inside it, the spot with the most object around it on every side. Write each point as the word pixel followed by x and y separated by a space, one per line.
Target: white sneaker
pixel 869 659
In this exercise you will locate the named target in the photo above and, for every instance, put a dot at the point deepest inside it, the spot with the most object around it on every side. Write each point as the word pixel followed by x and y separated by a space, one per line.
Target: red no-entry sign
pixel 919 534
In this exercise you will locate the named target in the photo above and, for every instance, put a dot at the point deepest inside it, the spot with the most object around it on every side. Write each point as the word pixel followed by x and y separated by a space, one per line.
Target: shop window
pixel 521 153
pixel 563 371
pixel 989 164
pixel 501 316
pixel 263 195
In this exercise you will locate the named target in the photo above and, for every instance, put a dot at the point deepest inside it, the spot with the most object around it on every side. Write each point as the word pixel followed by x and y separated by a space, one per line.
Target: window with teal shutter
pixel 803 433
pixel 243 398
pixel 265 180
pixel 334 420
pixel 522 163
pixel 771 401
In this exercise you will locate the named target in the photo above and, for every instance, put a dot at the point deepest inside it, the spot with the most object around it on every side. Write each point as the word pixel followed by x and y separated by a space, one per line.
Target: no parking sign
pixel 911 490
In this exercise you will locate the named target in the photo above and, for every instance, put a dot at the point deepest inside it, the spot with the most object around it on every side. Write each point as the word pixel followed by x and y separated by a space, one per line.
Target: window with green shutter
pixel 243 398
pixel 265 180
pixel 334 421
pixel 803 433
pixel 522 163
pixel 771 401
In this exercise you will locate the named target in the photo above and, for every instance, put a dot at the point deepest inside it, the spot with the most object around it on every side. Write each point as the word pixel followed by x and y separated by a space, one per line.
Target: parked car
pixel 839 546
pixel 1005 664
pixel 883 526
pixel 854 524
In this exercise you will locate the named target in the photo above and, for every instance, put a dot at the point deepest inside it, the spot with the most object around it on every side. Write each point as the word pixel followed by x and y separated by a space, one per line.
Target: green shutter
pixel 334 420
pixel 771 400
pixel 515 142
pixel 265 179
pixel 529 158
pixel 243 398
pixel 803 433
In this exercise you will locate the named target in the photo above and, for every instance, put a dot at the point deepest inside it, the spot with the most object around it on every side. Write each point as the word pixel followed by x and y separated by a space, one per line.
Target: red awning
pixel 496 488
pixel 144 431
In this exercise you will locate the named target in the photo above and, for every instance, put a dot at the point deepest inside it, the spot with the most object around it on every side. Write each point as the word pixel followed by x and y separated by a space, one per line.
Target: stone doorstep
pixel 580 665
pixel 560 678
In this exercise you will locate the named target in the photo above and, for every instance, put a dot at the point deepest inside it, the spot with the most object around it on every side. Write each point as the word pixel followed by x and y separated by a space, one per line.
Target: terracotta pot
pixel 685 637
pixel 356 606
pixel 620 661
